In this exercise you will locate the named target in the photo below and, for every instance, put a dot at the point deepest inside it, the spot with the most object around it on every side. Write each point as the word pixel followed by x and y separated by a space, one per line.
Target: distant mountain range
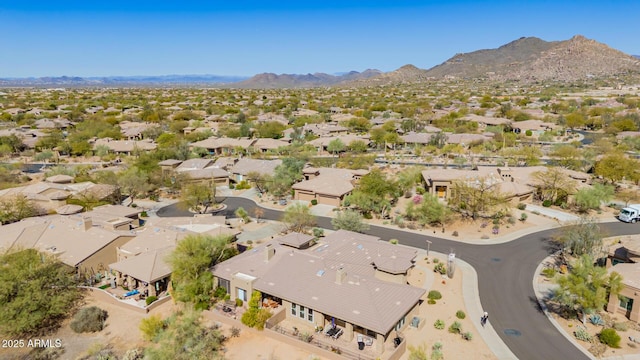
pixel 71 81
pixel 527 59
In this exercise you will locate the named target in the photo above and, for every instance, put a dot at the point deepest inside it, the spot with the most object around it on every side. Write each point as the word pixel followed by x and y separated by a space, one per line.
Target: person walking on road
pixel 484 318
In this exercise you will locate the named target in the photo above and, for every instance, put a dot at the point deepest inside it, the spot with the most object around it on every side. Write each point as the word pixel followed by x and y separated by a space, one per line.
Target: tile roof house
pixel 439 182
pixel 352 280
pixel 328 186
pixel 73 239
pixel 627 302
pixel 197 170
pixel 141 262
pixel 321 143
pixel 244 166
pixel 125 146
pixel 222 146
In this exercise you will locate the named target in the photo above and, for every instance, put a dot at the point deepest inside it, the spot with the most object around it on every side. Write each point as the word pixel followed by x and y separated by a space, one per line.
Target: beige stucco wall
pixel 101 259
pixel 631 293
pixel 394 278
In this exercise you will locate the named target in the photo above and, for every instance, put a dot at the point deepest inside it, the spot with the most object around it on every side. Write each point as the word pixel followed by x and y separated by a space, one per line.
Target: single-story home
pixel 349 280
pixel 328 186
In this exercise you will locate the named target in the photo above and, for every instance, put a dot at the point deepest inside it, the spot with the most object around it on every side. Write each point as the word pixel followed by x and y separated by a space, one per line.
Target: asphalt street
pixel 505 274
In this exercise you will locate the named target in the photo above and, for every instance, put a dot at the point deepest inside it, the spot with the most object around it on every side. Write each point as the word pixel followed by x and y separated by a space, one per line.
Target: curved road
pixel 505 275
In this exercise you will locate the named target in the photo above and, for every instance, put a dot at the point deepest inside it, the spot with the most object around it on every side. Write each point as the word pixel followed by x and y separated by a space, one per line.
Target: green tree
pixel 242 214
pixel 591 198
pixel 583 237
pixel 186 338
pixel 616 166
pixel 298 217
pixel 270 129
pixel 198 197
pixel 190 262
pixel 349 220
pixel 374 193
pixel 37 292
pixel 428 211
pixel 255 316
pixel 285 175
pixel 17 208
pixel 408 178
pixel 357 146
pixel 553 184
pixel 586 287
pixel 134 182
pixel 336 146
pixel 480 198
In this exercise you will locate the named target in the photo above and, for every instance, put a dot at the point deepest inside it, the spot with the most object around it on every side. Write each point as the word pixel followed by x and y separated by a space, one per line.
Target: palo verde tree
pixel 198 197
pixel 349 220
pixel 374 194
pixel 37 292
pixel 190 262
pixel 583 237
pixel 586 287
pixel 479 198
pixel 298 217
pixel 185 337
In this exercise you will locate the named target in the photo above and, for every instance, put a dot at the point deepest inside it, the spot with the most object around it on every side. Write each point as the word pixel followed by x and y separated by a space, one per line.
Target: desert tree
pixel 582 237
pixel 586 287
pixel 198 196
pixel 477 198
pixel 298 218
pixel 553 184
pixel 349 220
pixel 37 292
pixel 591 198
pixel 190 262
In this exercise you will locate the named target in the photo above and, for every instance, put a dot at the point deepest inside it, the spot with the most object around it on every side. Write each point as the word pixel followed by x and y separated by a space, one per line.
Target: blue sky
pixel 103 37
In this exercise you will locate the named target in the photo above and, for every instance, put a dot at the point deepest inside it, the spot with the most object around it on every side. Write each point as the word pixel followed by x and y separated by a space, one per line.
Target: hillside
pixel 533 59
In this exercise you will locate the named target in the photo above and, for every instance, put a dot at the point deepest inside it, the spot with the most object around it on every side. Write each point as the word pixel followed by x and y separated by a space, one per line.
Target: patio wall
pixel 103 295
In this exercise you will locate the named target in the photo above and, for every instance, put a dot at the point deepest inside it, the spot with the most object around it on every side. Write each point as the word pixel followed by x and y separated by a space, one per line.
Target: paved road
pixel 505 274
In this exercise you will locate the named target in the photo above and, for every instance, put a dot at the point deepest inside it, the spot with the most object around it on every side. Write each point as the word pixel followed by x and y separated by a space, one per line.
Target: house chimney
pixel 341 275
pixel 269 251
pixel 87 223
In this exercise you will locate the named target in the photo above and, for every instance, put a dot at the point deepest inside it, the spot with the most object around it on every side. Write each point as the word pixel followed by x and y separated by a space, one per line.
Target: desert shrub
pixel 455 233
pixel 231 186
pixel 467 336
pixel 528 133
pixel 318 232
pixel 431 302
pixel 440 268
pixel 436 351
pixel 439 324
pixel 306 337
pixel 220 292
pixel 89 319
pixel 511 220
pixel 434 294
pixel 314 202
pixel 582 334
pixel 547 203
pixel 549 272
pixel 239 302
pixel 134 354
pixel 243 185
pixel 455 328
pixel 151 327
pixel 460 314
pixel 610 338
pixel 255 316
pixel 151 299
pixel 523 217
pixel 235 331
pixel 436 260
pixel 620 326
pixel 393 241
pixel 521 206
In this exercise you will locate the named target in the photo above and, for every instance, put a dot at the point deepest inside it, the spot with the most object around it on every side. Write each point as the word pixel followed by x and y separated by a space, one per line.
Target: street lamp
pixel 428 246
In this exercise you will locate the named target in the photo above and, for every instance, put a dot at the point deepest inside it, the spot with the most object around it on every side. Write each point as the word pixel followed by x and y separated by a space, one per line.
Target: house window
pixel 242 294
pixel 400 323
pixel 625 302
pixel 225 284
pixel 302 312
